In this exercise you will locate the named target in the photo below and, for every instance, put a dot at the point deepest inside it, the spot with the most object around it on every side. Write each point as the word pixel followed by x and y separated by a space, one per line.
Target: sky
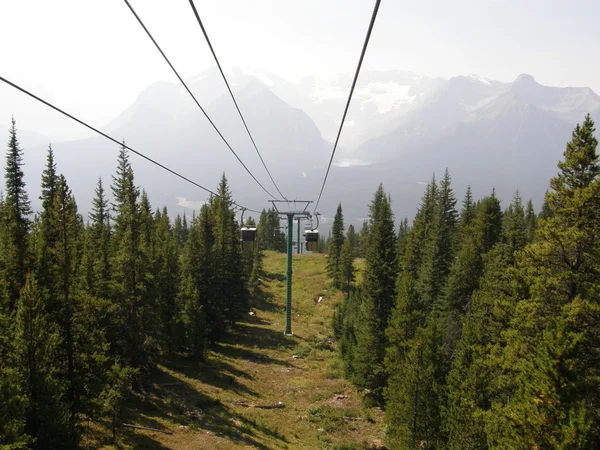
pixel 92 58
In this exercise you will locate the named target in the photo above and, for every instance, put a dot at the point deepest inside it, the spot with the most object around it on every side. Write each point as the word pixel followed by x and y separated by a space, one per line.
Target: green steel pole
pixel 288 304
pixel 298 242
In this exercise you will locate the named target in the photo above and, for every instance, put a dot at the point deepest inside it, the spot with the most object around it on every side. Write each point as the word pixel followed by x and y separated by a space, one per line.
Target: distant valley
pixel 401 128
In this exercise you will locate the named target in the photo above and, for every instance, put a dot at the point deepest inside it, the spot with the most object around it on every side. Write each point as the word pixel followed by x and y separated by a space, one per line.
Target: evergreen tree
pixel 531 221
pixel 167 275
pixel 37 345
pixel 231 294
pixel 178 232
pixel 67 255
pixel 546 393
pixel 196 292
pixel 377 299
pixel 99 244
pixel 17 222
pixel 347 271
pixel 471 372
pixel 46 232
pixel 334 248
pixel 363 239
pixel 126 265
pixel 13 402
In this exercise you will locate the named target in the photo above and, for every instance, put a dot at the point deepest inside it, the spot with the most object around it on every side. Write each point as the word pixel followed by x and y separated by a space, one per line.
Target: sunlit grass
pixel 200 403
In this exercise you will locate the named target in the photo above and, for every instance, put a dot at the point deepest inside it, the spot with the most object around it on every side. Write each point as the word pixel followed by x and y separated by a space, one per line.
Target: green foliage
pixel 334 249
pixel 347 271
pixel 37 349
pixel 85 310
pixel 376 299
pixel 17 221
pixel 548 369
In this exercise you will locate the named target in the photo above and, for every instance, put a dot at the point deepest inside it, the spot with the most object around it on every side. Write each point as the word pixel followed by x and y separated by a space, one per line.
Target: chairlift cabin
pixel 312 240
pixel 248 237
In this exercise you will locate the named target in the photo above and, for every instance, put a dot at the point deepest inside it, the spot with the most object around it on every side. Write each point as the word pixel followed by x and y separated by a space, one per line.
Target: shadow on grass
pixel 275 276
pixel 237 352
pixel 214 372
pixel 249 336
pixel 265 301
pixel 177 403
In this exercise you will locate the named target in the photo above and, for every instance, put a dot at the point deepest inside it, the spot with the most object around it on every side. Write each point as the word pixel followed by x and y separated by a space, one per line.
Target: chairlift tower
pixel 298 212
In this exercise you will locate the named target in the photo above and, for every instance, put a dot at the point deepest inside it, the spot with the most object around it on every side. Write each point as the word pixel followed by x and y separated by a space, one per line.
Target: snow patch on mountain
pixel 480 79
pixel 385 96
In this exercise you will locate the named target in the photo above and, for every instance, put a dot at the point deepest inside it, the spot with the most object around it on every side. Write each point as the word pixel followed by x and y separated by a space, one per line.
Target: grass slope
pixel 203 404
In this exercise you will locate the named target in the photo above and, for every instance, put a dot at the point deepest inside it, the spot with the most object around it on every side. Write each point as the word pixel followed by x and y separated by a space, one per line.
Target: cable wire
pixel 232 96
pixel 81 122
pixel 360 61
pixel 194 98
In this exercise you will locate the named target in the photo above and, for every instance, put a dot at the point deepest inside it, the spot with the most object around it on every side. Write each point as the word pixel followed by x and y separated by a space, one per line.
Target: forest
pixel 86 308
pixel 474 326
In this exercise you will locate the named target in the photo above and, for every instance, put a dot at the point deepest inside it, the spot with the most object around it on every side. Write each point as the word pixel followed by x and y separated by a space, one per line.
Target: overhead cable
pixel 231 94
pixel 360 61
pixel 194 98
pixel 81 122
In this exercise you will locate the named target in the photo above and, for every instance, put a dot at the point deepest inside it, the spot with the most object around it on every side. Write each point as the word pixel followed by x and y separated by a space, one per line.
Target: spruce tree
pixel 37 344
pixel 99 244
pixel 546 393
pixel 197 288
pixel 167 276
pixel 13 401
pixel 231 293
pixel 377 299
pixel 479 327
pixel 334 248
pixel 17 220
pixel 47 236
pixel 67 258
pixel 126 266
pixel 347 271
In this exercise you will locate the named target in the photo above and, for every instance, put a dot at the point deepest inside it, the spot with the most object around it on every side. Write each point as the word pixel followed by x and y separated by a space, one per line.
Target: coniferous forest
pixel 475 326
pixel 86 308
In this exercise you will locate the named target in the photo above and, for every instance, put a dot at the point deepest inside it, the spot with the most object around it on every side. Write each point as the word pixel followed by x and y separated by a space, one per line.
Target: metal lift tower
pixel 298 212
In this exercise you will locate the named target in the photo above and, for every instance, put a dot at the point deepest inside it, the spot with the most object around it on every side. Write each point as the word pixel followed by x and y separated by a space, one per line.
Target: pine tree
pixel 99 244
pixel 416 331
pixel 531 221
pixel 546 393
pixel 196 292
pixel 347 271
pixel 37 345
pixel 231 293
pixel 413 413
pixel 13 402
pixel 46 232
pixel 378 294
pixel 178 231
pixel 126 266
pixel 334 248
pixel 67 258
pixel 17 221
pixel 167 275
pixel 471 371
pixel 363 239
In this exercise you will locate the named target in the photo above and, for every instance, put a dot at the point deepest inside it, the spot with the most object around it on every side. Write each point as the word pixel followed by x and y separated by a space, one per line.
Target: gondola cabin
pixel 248 237
pixel 312 240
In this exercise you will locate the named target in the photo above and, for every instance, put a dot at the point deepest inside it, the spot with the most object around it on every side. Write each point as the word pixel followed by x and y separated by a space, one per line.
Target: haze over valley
pixel 401 128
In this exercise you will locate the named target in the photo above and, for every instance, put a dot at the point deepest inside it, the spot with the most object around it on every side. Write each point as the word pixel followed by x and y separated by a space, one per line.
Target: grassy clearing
pixel 210 405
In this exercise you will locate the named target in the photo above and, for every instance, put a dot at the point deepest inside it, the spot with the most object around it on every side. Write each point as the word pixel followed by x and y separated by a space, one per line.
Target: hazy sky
pixel 92 58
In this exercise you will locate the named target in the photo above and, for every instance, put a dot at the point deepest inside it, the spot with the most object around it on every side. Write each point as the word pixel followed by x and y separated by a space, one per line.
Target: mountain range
pixel 401 128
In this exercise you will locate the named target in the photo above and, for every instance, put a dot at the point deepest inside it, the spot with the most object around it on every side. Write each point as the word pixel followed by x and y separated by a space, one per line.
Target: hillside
pixel 202 405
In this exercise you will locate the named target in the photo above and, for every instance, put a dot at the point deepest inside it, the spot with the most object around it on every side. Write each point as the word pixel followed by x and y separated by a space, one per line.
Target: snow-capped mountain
pixel 401 127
